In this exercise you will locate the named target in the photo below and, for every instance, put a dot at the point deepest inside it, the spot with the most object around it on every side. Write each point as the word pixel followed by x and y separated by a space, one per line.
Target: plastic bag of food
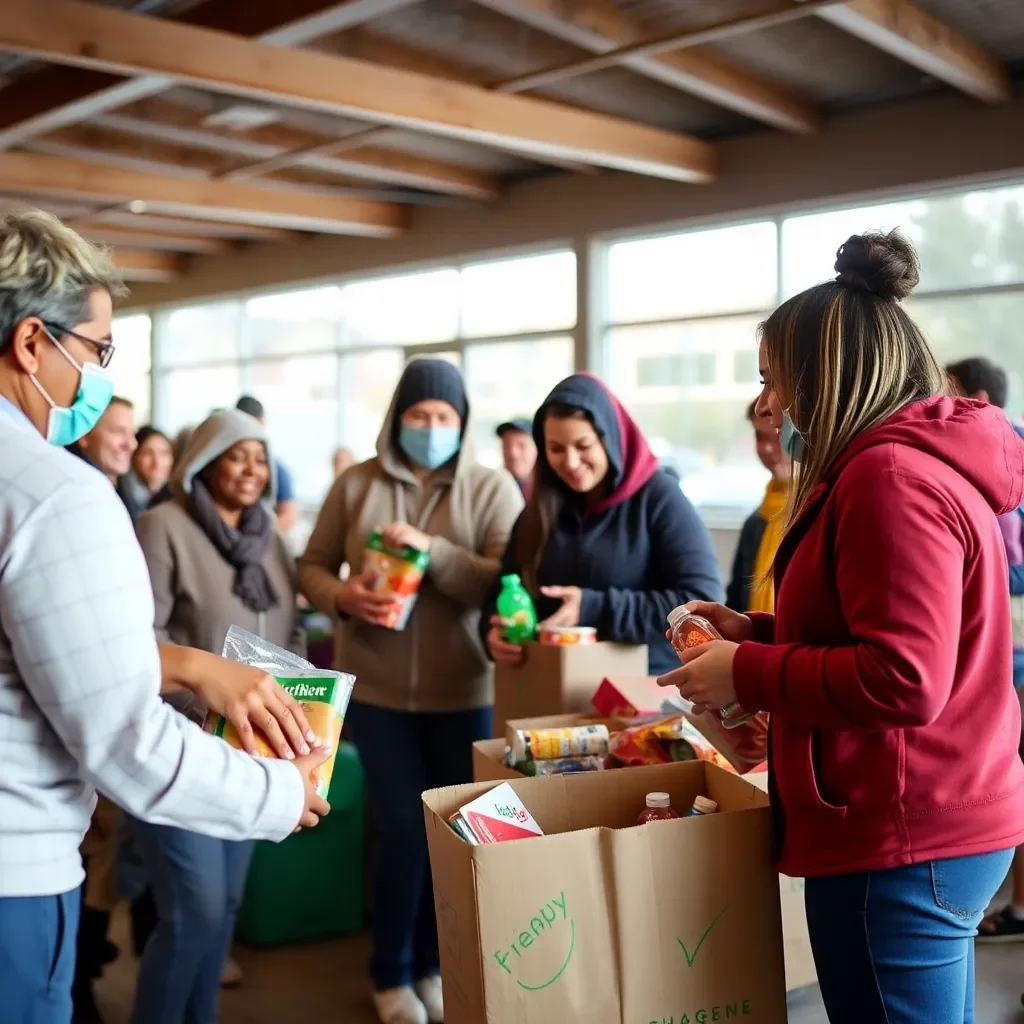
pixel 323 694
pixel 398 573
pixel 663 741
pixel 746 745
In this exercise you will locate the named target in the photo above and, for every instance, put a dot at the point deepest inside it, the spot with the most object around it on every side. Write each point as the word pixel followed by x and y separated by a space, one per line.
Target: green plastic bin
pixel 310 886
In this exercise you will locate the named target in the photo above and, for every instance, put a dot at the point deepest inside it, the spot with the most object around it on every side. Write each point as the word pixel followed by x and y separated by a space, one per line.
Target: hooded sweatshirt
pixel 437 662
pixel 887 665
pixel 637 553
pixel 193 585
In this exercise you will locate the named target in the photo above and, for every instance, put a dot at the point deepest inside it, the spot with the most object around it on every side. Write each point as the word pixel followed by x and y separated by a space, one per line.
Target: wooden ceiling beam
pixel 60 96
pixel 100 38
pixel 905 31
pixel 201 229
pixel 146 238
pixel 38 174
pixel 162 122
pixel 601 26
pixel 138 265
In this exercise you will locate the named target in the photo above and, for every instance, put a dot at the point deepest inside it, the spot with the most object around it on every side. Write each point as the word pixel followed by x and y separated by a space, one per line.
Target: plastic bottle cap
pixel 705 805
pixel 510 581
pixel 659 800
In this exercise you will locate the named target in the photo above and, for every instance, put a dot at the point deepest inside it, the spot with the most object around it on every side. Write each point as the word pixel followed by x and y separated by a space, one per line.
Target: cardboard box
pixel 558 680
pixel 489 755
pixel 603 921
pixel 800 970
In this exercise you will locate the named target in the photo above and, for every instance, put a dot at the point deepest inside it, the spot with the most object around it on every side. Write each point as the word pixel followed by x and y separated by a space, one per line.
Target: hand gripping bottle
pixel 690 630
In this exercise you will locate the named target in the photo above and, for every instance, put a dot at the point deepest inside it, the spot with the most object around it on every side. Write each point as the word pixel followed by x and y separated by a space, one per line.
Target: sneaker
pixel 231 975
pixel 429 991
pixel 1005 926
pixel 399 1006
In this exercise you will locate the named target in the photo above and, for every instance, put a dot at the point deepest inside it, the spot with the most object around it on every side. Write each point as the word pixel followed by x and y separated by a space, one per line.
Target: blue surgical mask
pixel 791 438
pixel 430 447
pixel 95 390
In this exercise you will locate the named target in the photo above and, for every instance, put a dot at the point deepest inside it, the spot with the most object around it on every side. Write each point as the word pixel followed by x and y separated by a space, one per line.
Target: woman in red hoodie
pixel 896 781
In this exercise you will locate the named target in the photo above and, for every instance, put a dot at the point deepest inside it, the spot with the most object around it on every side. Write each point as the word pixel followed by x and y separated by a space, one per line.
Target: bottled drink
pixel 690 630
pixel 702 805
pixel 515 608
pixel 659 808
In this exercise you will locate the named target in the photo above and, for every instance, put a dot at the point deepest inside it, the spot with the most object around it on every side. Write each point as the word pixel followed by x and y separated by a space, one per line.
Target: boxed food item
pixel 566 928
pixel 498 816
pixel 398 573
pixel 629 696
pixel 560 680
pixel 324 696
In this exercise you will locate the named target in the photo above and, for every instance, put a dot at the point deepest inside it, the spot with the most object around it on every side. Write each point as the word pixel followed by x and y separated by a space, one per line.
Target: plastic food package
pixel 398 573
pixel 568 636
pixel 323 694
pixel 664 741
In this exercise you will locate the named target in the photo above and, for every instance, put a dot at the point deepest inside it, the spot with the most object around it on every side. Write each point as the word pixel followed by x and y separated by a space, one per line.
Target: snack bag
pixel 398 572
pixel 324 697
pixel 663 741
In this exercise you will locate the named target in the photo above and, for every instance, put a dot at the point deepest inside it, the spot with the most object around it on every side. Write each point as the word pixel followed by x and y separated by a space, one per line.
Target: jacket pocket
pixel 795 761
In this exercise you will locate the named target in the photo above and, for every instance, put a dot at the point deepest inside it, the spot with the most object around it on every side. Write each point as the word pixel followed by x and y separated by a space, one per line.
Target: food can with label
pixel 568 636
pixel 571 741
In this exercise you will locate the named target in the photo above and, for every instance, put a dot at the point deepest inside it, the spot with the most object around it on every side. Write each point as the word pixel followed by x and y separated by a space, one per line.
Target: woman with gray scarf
pixel 215 561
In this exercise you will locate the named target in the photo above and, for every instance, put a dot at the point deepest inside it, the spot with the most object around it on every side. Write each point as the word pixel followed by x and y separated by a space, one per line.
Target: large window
pixel 683 309
pixel 132 363
pixel 325 361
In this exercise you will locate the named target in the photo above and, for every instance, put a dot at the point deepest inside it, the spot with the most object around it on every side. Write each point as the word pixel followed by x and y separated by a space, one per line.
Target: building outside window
pixel 683 309
pixel 132 362
pixel 325 361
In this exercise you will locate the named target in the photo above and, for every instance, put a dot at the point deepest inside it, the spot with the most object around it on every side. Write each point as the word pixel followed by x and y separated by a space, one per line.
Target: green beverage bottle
pixel 515 607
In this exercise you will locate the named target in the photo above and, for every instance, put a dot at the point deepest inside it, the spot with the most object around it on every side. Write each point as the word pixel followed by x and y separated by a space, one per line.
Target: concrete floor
pixel 334 986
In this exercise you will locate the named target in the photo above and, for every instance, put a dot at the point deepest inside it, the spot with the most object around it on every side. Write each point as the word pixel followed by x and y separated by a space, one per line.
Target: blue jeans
pixel 38 935
pixel 403 754
pixel 197 883
pixel 897 946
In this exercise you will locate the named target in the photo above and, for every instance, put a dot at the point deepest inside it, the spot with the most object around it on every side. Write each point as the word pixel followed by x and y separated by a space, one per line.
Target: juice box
pixel 398 573
pixel 324 700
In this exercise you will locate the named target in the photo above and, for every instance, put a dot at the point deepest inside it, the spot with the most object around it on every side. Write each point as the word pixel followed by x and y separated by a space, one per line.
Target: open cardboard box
pixel 560 680
pixel 603 921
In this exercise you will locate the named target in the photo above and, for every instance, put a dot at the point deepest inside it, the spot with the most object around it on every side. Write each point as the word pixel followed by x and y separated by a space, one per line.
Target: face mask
pixel 95 390
pixel 791 439
pixel 430 447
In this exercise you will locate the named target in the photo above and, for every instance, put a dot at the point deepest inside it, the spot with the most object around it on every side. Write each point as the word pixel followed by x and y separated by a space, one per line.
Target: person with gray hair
pixel 80 667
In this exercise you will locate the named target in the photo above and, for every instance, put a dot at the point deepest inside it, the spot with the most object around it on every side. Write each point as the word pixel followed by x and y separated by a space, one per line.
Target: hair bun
pixel 883 263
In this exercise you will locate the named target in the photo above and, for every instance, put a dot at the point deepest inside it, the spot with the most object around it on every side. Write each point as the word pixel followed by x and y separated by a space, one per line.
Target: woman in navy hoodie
pixel 607 539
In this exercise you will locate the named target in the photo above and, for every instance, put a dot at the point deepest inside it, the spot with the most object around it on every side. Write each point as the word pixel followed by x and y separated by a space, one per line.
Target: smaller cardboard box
pixel 604 921
pixel 560 680
pixel 489 755
pixel 800 970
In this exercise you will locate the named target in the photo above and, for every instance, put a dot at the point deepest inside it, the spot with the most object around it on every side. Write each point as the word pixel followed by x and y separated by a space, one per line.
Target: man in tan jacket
pixel 423 693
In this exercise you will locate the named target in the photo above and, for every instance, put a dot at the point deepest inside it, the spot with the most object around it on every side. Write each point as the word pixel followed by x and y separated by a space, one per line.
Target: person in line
pixel 607 538
pixel 518 451
pixel 150 470
pixel 898 786
pixel 342 460
pixel 982 380
pixel 110 445
pixel 215 560
pixel 751 588
pixel 80 668
pixel 423 695
pixel 287 506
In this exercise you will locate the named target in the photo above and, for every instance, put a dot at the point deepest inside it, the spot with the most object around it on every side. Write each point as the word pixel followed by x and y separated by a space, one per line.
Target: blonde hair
pixel 845 355
pixel 48 270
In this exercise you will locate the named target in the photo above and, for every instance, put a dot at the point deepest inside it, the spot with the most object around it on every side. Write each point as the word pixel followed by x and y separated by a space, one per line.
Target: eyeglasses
pixel 103 349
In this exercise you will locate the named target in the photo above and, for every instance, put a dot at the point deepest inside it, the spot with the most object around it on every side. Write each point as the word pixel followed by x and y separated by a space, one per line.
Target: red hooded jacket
pixel 887 667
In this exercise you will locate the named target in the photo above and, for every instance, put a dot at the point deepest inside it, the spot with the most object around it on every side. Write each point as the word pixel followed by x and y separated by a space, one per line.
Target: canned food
pixel 568 636
pixel 549 744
